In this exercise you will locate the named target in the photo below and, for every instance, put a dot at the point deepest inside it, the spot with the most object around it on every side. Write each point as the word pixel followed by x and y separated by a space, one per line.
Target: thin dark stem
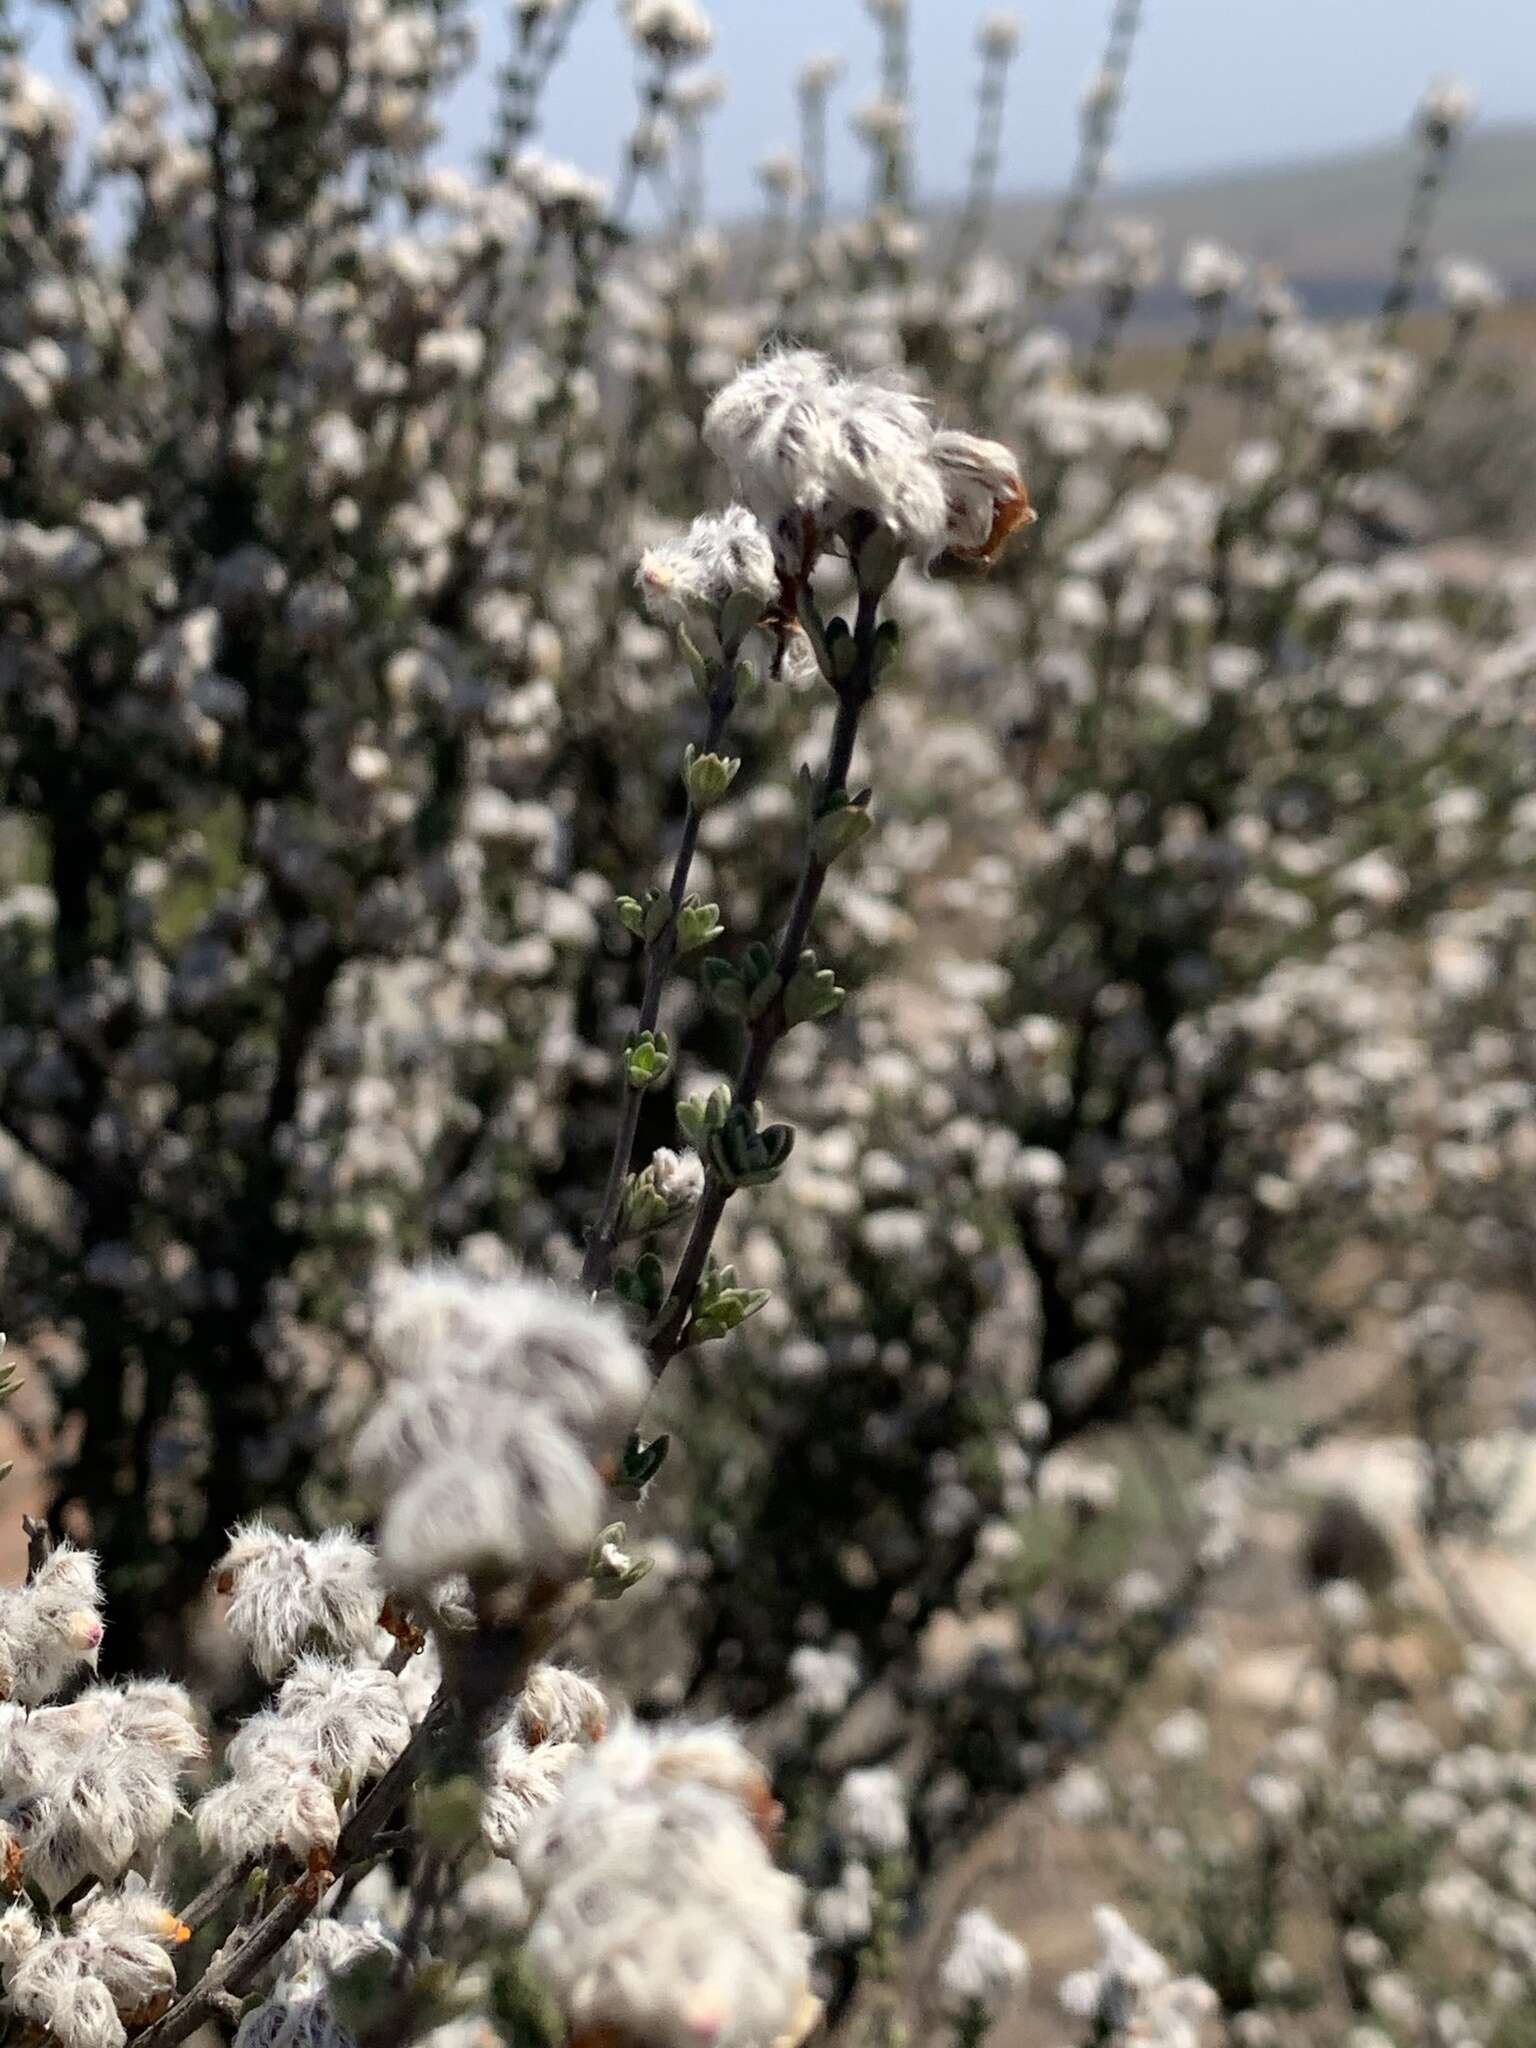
pixel 853 696
pixel 1118 303
pixel 39 1545
pixel 1440 376
pixel 659 955
pixel 237 1972
pixel 1097 135
pixel 896 88
pixel 1196 366
pixel 1409 261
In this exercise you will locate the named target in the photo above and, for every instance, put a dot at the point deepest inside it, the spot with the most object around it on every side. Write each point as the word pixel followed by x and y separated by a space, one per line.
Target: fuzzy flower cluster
pixel 332 1729
pixel 659 1917
pixel 92 1788
pixel 724 556
pixel 300 2011
pixel 1130 1997
pixel 291 1593
pixel 49 1627
pixel 110 1971
pixel 556 1718
pixel 814 453
pixel 503 1399
pixel 984 1965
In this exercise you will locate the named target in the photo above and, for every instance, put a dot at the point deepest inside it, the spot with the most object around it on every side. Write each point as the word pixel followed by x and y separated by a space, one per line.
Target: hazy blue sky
pixel 1215 82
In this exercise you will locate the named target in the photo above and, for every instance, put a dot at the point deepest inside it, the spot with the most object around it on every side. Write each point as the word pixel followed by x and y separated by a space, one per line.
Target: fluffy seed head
pixel 659 1915
pixel 685 582
pixel 814 453
pixel 50 1626
pixel 984 1963
pixel 291 1593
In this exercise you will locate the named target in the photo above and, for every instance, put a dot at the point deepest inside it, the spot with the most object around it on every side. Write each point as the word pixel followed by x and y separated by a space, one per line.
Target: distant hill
pixel 1330 223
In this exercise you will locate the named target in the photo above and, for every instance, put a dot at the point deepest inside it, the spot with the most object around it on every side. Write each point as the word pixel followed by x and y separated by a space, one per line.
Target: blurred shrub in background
pixel 1192 948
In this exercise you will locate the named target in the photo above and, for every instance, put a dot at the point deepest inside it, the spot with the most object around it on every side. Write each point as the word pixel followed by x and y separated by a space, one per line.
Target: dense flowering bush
pixel 437 851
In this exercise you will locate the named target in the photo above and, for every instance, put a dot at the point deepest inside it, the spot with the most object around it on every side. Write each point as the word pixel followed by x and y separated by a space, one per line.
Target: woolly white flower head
pixel 1444 111
pixel 443 1328
pixel 558 1705
pixel 984 495
pixel 482 1452
pixel 1209 271
pixel 824 1680
pixel 349 1720
pixel 278 1801
pixel 710 1754
pixel 112 1970
pixel 845 1912
pixel 870 1811
pixel 878 462
pixel 687 581
pixel 153 1711
pixel 819 73
pixel 50 1626
pixel 299 2013
pixel 999 34
pixel 1081 1796
pixel 554 1718
pixel 1182 1738
pixel 674 30
pixel 291 1593
pixel 19 1935
pixel 984 1964
pixel 812 450
pixel 699 1781
pixel 519 1783
pixel 134 1908
pixel 772 427
pixel 1468 288
pixel 658 1912
pixel 55 1991
pixel 494 1899
pixel 95 1783
pixel 523 1498
pixel 1131 1993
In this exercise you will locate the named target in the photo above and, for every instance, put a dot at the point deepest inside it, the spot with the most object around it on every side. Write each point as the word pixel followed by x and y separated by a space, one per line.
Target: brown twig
pixel 236 1973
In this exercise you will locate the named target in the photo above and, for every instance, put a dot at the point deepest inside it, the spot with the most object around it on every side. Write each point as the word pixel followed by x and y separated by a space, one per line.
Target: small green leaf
pixel 724 987
pixel 745 1156
pixel 642 1285
pixel 707 777
pixel 698 1115
pixel 813 993
pixel 738 615
pixel 841 826
pixel 698 667
pixel 698 924
pixel 720 1306
pixel 640 1464
pixel 647 1059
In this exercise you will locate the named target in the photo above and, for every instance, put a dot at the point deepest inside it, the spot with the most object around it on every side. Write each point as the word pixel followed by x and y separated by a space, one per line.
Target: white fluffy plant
pixel 418 1737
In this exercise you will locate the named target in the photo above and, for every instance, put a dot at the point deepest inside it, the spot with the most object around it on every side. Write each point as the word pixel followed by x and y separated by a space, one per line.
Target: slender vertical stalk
pixel 813 158
pixel 896 90
pixel 853 695
pixel 1096 135
pixel 658 956
pixel 1408 263
pixel 986 158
